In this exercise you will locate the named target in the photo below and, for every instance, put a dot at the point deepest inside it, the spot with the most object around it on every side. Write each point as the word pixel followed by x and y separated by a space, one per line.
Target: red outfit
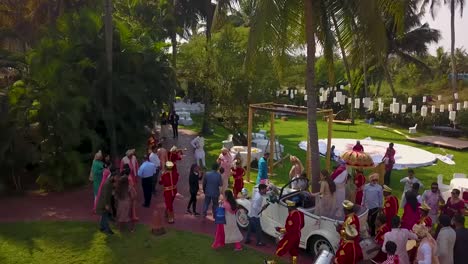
pixel 349 252
pixel 358 148
pixel 292 237
pixel 453 209
pixel 390 208
pixel 359 181
pixel 169 180
pixel 392 259
pixel 238 174
pixel 410 217
pixel 174 156
pixel 390 155
pixel 426 220
pixel 379 239
pixel 351 219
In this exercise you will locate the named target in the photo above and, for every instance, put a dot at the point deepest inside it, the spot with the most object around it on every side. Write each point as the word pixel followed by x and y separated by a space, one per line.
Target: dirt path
pixel 76 205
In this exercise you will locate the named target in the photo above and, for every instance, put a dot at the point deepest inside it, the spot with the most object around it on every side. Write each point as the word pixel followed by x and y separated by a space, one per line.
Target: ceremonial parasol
pixel 357 159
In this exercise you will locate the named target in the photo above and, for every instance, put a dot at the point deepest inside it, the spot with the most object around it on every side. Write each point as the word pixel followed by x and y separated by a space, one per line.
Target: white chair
pixel 459 176
pixel 440 181
pixel 412 130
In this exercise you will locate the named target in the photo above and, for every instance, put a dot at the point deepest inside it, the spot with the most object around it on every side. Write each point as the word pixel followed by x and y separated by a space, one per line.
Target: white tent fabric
pixel 405 157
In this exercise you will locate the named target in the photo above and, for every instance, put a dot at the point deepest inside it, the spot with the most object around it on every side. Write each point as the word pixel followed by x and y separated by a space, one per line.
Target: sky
pixel 442 23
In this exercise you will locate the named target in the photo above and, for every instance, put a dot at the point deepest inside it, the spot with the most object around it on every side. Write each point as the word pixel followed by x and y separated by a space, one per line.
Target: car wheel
pixel 242 217
pixel 318 243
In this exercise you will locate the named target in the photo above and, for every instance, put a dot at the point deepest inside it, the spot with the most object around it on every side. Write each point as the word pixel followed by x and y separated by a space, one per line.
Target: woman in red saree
pixel 454 205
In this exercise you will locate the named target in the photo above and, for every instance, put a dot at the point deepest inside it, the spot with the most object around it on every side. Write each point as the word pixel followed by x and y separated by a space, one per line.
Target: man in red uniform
pixel 382 228
pixel 351 219
pixel 390 204
pixel 359 181
pixel 292 233
pixel 425 219
pixel 169 180
pixel 349 251
pixel 174 155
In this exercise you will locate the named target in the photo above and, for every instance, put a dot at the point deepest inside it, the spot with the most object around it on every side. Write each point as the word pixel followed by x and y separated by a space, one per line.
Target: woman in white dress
pixel 325 199
pixel 228 233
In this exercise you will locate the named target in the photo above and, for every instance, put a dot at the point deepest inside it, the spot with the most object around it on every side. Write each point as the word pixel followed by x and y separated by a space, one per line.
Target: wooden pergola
pixel 284 109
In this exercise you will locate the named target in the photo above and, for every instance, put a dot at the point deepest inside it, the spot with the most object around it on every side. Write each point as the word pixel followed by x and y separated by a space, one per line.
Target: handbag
pixel 220 216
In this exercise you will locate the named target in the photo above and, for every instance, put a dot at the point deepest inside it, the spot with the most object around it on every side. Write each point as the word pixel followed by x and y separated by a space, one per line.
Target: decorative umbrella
pixel 357 159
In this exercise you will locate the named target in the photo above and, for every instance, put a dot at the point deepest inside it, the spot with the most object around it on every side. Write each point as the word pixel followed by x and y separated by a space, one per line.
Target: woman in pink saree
pixel 105 174
pixel 228 233
pixel 411 211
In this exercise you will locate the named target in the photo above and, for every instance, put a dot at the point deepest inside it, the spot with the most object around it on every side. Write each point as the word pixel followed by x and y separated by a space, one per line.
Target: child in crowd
pixel 391 247
pixel 124 195
pixel 238 174
pixel 409 181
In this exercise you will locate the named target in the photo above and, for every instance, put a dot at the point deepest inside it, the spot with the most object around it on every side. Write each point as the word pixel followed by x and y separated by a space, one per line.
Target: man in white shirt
pixel 445 241
pixel 254 215
pixel 154 158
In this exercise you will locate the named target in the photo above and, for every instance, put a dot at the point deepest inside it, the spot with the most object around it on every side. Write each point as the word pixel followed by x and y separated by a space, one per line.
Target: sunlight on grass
pixel 79 242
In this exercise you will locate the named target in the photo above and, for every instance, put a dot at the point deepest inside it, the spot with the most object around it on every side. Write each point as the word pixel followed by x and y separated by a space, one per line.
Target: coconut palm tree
pixel 453 4
pixel 284 25
pixel 108 9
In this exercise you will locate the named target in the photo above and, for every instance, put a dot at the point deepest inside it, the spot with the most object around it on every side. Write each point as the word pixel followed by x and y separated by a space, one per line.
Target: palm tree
pixel 279 25
pixel 412 42
pixel 433 4
pixel 108 38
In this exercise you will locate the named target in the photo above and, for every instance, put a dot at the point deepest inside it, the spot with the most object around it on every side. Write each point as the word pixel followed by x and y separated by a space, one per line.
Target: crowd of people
pixel 426 218
pixel 435 226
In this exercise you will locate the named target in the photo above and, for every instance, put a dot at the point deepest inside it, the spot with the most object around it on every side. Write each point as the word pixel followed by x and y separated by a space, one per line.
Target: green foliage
pixel 232 88
pixel 65 93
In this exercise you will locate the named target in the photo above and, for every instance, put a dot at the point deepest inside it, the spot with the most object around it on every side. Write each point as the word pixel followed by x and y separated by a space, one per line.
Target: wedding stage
pixel 405 157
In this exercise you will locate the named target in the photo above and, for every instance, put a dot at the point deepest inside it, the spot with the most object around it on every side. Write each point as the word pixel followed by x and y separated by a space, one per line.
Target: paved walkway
pixel 76 205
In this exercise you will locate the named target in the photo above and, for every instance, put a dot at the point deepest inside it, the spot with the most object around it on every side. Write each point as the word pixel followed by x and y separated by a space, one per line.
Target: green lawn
pixel 291 132
pixel 78 242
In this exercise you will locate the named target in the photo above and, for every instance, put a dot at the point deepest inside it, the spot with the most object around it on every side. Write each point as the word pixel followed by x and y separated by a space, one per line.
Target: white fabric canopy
pixel 405 157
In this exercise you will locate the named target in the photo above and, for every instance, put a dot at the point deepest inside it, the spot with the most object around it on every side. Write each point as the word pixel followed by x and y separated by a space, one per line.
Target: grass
pixel 80 242
pixel 291 132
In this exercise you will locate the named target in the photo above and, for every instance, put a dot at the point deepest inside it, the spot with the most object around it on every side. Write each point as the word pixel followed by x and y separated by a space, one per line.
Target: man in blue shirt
pixel 263 168
pixel 211 184
pixel 373 200
pixel 146 172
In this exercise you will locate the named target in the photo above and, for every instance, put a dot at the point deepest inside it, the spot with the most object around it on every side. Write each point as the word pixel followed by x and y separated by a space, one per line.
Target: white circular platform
pixel 405 157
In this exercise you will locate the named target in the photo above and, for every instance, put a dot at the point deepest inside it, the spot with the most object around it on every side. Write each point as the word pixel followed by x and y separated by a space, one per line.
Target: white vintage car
pixel 319 233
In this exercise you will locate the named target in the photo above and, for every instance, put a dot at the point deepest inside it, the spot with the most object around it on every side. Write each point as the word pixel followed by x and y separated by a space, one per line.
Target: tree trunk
pixel 174 36
pixel 389 78
pixel 174 50
pixel 110 106
pixel 377 92
pixel 452 50
pixel 364 67
pixel 311 91
pixel 206 130
pixel 346 65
